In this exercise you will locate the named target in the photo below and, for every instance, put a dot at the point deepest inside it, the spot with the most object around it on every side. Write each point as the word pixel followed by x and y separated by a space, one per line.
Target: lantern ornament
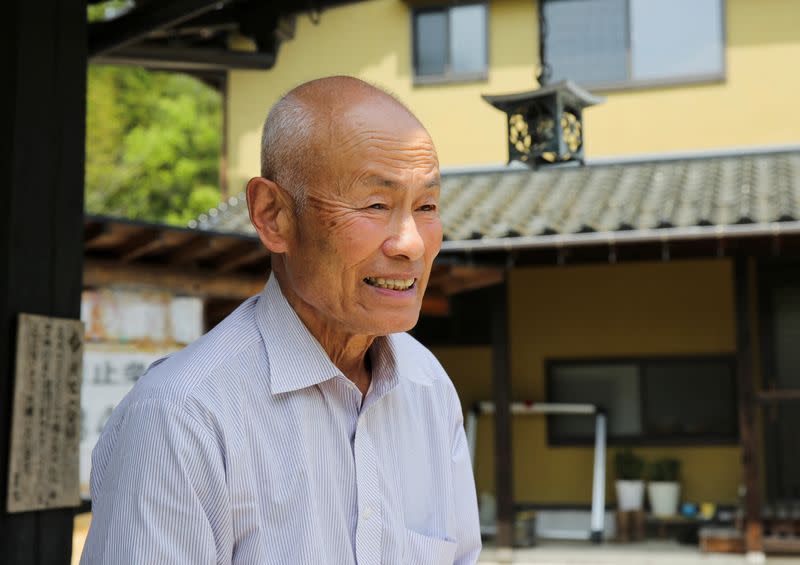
pixel 545 126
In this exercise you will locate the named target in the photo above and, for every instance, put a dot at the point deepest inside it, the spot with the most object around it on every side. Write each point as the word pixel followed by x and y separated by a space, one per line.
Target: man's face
pixel 363 248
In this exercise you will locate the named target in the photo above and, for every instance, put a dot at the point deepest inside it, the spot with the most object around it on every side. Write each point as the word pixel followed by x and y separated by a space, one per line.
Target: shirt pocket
pixel 427 550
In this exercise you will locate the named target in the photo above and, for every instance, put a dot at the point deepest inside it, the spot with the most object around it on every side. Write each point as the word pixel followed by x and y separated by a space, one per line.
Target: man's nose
pixel 406 241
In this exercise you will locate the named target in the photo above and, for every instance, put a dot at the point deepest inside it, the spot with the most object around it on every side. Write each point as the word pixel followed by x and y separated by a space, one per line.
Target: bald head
pixel 304 126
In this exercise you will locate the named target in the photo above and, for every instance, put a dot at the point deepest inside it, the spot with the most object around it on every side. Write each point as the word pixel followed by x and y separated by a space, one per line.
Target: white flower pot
pixel 630 495
pixel 664 497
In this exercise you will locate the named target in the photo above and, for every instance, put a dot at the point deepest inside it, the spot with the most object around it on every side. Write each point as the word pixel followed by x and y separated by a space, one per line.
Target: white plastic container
pixel 630 495
pixel 664 497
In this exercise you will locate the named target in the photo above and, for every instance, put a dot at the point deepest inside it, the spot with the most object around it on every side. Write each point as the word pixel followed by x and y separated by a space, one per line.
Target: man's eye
pixel 428 208
pixel 378 206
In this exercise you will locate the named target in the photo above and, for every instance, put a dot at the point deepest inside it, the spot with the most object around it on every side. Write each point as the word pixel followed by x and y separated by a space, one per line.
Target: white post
pixel 599 479
pixel 472 434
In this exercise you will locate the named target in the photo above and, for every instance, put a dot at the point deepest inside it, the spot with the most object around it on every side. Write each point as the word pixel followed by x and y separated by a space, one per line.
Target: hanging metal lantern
pixel 545 126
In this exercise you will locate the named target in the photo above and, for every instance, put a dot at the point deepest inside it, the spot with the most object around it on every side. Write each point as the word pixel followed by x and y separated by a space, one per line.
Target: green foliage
pixel 628 466
pixel 664 470
pixel 152 145
pixel 107 10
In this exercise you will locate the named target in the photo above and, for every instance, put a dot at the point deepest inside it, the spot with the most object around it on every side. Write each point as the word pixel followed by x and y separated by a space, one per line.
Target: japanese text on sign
pixel 45 433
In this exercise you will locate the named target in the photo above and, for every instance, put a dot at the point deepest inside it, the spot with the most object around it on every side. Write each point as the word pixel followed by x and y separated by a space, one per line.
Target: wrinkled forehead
pixel 377 115
pixel 370 130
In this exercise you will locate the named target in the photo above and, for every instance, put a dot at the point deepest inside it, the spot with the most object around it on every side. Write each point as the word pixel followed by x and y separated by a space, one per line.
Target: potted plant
pixel 663 488
pixel 629 469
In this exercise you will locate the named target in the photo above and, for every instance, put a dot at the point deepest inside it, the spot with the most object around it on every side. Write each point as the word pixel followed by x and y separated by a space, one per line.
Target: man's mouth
pixel 391 284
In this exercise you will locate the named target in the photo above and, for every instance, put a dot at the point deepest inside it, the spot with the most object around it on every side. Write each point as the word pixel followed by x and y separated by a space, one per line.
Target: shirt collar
pixel 296 358
pixel 386 366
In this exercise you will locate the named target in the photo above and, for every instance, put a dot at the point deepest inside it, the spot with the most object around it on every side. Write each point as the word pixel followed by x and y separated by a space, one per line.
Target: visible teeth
pixel 392 284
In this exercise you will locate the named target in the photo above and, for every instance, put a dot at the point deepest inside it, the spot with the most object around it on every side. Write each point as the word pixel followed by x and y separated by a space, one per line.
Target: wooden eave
pixel 183 260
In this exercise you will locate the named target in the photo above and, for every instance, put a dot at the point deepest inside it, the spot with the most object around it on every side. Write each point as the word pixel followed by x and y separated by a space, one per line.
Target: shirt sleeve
pixel 158 491
pixel 468 530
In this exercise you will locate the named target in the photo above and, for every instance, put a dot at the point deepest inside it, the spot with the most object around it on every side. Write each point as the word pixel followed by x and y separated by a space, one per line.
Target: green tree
pixel 107 10
pixel 152 145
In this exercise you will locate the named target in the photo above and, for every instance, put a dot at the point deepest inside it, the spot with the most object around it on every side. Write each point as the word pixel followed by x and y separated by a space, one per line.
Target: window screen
pixel 598 42
pixel 586 40
pixel 432 45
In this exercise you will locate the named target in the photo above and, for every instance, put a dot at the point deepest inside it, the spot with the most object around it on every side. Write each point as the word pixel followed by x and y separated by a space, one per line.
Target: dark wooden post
pixel 42 126
pixel 501 386
pixel 743 286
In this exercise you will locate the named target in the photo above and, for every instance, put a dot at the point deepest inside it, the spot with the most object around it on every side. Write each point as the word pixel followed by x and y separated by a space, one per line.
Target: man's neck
pixel 350 353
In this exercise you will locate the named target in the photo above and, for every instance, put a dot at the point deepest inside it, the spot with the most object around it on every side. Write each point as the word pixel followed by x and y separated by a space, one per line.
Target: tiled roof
pixel 510 203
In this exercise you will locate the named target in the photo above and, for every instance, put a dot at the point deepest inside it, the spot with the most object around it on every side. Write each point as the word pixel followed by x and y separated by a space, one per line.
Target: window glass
pixel 450 42
pixel 431 38
pixel 614 387
pixel 649 400
pixel 468 38
pixel 586 40
pixel 689 398
pixel 675 38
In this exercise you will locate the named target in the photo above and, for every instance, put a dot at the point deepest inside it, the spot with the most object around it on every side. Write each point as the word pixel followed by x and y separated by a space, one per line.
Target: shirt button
pixel 366 513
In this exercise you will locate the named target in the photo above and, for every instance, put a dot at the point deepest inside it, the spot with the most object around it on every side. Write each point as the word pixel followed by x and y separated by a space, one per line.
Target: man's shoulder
pixel 197 369
pixel 430 385
pixel 418 363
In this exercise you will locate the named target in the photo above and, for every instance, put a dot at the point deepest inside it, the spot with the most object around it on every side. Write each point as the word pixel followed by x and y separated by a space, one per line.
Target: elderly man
pixel 306 428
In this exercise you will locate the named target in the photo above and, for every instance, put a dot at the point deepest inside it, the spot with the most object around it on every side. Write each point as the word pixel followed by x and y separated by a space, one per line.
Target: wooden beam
pixel 136 24
pixel 435 305
pixel 453 279
pixel 93 231
pixel 501 387
pixel 467 271
pixel 194 249
pixel 170 58
pixel 142 246
pixel 195 282
pixel 780 544
pixel 472 279
pixel 245 258
pixel 779 395
pixel 215 310
pixel 743 286
pixel 439 274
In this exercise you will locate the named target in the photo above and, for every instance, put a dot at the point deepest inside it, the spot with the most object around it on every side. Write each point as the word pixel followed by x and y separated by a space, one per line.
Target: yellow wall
pixel 753 106
pixel 631 309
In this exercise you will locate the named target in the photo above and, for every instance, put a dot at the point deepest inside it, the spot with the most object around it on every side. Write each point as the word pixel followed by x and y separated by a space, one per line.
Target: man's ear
pixel 270 213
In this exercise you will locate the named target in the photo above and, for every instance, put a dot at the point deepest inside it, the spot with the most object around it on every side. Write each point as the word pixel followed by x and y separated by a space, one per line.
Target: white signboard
pixel 135 316
pixel 43 462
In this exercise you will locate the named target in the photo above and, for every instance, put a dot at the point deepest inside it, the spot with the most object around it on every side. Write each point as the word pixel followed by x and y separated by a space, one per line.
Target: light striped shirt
pixel 251 447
